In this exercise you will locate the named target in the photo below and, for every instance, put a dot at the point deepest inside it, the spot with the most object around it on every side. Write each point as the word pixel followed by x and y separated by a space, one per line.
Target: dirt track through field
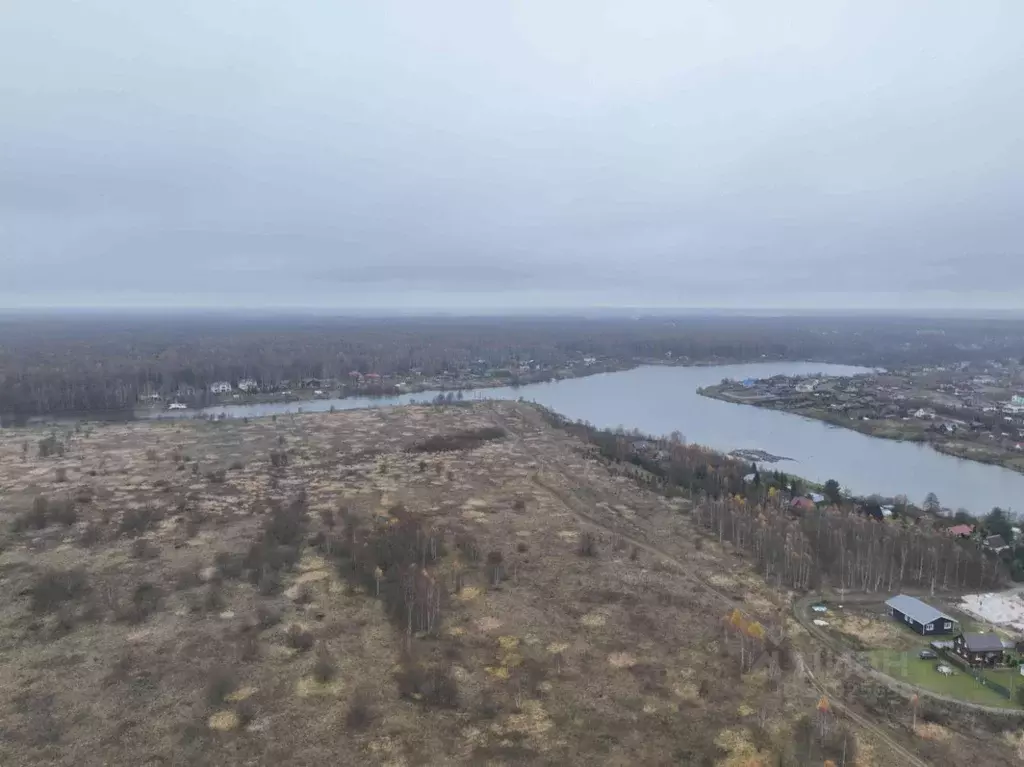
pixel 573 504
pixel 904 689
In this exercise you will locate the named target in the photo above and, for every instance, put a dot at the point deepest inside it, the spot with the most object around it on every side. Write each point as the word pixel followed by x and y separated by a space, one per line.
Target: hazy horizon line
pixel 536 312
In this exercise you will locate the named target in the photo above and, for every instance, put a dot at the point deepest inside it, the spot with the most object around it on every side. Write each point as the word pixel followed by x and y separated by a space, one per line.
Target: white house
pixel 248 384
pixel 220 387
pixel 806 387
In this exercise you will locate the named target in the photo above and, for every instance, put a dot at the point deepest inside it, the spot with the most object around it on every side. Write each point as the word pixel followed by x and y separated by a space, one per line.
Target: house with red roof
pixel 960 531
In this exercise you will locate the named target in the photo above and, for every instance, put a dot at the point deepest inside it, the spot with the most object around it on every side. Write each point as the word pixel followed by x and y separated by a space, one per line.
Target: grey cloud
pixel 651 153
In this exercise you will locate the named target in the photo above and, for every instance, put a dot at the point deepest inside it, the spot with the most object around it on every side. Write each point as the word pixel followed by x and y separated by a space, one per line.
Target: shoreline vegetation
pixel 895 430
pixel 708 477
pixel 385 388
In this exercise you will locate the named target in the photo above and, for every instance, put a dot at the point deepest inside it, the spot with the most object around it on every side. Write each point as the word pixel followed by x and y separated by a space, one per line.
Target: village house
pixel 248 385
pixel 220 387
pixel 920 616
pixel 960 531
pixel 996 544
pixel 979 649
pixel 1015 406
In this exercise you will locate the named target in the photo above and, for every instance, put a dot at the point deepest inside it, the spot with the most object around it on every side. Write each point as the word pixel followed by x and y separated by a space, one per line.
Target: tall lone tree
pixel 998 522
pixel 832 492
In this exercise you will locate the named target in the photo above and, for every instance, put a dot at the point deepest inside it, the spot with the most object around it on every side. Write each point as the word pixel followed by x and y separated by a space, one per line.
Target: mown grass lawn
pixel 907 667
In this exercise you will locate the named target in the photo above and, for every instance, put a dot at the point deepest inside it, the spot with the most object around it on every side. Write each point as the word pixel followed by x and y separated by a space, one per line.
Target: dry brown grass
pixel 184 611
pixel 870 631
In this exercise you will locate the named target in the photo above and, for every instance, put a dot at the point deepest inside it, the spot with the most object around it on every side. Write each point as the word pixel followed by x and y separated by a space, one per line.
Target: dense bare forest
pixel 851 551
pixel 58 364
pixel 840 543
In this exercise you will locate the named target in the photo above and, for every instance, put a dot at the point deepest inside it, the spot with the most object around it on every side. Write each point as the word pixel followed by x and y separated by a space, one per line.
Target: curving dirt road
pixel 907 690
pixel 579 509
pixel 572 505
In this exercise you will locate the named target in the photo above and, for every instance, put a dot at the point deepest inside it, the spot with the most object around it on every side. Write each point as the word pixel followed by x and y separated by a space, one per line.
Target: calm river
pixel 659 400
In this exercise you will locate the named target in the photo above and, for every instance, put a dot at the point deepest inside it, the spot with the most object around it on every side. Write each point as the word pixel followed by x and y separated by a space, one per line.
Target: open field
pixel 416 585
pixel 141 619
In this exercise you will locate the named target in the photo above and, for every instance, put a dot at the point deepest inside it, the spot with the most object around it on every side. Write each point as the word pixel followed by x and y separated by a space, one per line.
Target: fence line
pixel 979 677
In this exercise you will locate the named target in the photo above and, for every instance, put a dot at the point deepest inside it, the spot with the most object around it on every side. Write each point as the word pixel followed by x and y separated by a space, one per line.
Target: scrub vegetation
pixel 429 584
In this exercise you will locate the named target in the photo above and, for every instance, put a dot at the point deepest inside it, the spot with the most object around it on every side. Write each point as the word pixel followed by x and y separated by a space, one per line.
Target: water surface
pixel 660 400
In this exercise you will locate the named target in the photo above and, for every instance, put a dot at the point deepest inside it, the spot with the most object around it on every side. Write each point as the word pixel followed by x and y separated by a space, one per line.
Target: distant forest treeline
pixel 81 364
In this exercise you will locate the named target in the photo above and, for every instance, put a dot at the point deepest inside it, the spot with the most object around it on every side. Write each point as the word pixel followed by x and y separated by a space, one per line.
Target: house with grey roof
pixel 979 649
pixel 995 543
pixel 920 616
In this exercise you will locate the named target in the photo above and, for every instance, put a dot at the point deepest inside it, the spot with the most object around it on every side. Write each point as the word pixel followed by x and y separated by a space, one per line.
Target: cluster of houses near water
pixel 469 375
pixel 968 401
pixel 995 544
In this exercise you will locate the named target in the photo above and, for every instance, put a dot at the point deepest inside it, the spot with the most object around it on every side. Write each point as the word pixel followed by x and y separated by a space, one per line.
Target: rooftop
pixel 919 611
pixel 983 642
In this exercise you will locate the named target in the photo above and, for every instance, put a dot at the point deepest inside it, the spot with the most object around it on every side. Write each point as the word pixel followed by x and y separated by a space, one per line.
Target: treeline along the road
pixel 63 364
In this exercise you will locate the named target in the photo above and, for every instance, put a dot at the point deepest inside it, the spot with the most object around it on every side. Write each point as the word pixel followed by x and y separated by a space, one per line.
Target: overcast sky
pixel 493 155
